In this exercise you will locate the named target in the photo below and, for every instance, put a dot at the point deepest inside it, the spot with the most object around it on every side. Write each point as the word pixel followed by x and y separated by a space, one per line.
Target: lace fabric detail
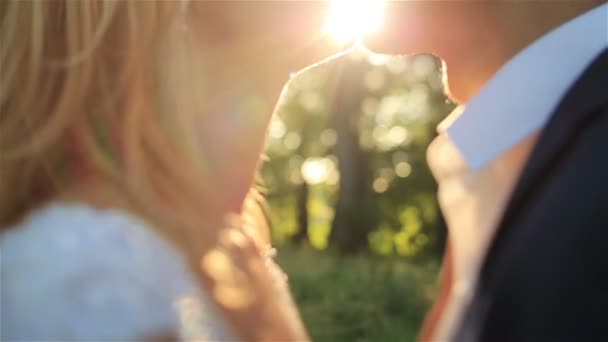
pixel 72 272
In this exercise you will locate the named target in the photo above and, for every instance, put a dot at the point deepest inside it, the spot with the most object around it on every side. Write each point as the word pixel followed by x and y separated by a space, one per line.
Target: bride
pixel 129 133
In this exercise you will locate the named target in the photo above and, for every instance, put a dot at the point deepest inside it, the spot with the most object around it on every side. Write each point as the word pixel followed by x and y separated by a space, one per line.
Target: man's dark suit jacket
pixel 545 277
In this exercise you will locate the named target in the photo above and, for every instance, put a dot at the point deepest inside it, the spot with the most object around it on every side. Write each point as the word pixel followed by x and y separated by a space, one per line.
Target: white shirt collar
pixel 522 95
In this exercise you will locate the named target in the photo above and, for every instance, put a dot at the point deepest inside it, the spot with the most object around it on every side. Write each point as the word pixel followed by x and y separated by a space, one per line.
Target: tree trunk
pixel 302 215
pixel 354 214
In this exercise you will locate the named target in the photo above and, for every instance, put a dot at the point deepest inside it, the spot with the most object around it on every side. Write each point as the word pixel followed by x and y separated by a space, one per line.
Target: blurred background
pixel 352 203
pixel 351 200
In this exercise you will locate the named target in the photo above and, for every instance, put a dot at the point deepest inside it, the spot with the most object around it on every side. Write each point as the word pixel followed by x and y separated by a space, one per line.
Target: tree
pixel 355 211
pixel 371 117
pixel 301 235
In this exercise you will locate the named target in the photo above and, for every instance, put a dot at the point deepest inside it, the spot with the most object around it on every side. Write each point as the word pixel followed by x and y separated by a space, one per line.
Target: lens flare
pixel 350 20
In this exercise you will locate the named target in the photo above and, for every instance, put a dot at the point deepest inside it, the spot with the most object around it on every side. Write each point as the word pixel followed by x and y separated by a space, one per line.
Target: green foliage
pixel 357 128
pixel 348 145
pixel 359 298
pixel 283 218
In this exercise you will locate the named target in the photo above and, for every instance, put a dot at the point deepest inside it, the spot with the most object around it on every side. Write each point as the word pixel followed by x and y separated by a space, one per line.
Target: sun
pixel 350 20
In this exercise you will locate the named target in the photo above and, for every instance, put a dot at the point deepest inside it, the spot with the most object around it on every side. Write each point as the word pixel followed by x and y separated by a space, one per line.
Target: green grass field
pixel 359 298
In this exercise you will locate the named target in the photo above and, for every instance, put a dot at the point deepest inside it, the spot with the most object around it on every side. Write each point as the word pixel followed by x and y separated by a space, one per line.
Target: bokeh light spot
pixel 380 185
pixel 403 169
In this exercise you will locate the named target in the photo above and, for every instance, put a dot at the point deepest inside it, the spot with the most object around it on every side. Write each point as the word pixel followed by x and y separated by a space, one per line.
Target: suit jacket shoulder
pixel 546 274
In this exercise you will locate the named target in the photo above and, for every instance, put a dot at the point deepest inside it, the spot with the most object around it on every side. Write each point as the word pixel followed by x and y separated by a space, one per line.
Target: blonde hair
pixel 98 86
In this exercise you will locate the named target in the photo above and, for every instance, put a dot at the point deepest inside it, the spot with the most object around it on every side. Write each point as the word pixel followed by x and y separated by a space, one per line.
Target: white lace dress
pixel 72 272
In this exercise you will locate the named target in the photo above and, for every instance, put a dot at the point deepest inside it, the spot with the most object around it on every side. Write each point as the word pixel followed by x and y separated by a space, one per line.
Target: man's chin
pixel 453 95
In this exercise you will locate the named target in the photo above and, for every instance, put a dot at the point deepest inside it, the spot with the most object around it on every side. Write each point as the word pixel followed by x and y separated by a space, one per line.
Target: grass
pixel 359 298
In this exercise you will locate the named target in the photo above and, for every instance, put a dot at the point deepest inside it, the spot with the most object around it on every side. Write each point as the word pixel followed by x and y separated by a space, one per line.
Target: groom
pixel 522 166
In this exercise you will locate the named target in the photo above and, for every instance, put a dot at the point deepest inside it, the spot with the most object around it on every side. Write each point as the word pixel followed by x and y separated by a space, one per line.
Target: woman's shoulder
pixel 68 267
pixel 64 239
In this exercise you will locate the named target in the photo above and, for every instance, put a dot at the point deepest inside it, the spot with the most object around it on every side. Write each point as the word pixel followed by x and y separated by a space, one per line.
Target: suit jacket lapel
pixel 572 115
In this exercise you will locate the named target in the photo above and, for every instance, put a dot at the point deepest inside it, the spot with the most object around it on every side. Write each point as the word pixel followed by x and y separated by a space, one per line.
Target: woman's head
pixel 93 85
pixel 135 100
pixel 80 90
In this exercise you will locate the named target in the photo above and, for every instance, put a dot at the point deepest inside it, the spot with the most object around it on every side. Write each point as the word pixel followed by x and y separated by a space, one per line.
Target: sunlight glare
pixel 317 170
pixel 350 20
